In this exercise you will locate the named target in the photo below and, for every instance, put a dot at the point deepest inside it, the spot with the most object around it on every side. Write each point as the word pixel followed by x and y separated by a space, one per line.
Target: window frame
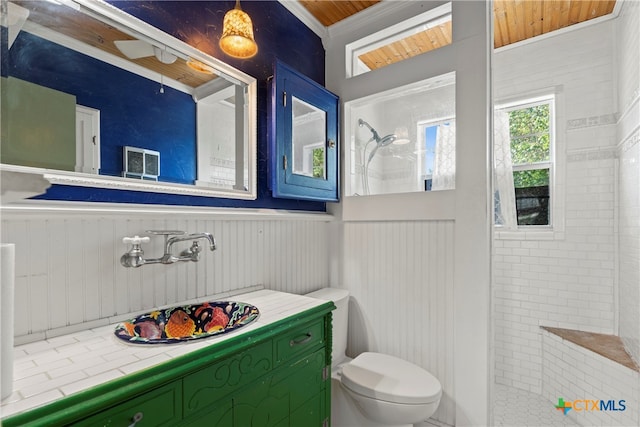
pixel 416 24
pixel 421 127
pixel 524 102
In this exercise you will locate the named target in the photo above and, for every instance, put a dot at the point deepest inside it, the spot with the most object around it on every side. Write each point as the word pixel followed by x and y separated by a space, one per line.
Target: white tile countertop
pixel 45 371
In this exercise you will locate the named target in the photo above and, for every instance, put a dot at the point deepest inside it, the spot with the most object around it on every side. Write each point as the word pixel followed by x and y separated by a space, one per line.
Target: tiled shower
pixel 585 273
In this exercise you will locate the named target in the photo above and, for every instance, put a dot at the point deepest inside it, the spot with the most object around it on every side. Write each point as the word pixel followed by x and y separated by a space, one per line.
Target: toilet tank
pixel 340 298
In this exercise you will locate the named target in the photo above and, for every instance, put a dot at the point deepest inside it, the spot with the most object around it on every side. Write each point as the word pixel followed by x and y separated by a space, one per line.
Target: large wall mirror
pixel 94 97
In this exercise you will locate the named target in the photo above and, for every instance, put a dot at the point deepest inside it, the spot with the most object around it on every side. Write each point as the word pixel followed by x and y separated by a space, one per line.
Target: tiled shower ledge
pixel 48 370
pixel 609 346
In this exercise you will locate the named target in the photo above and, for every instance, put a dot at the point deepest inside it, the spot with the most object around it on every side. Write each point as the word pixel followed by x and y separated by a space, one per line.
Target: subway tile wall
pixel 69 277
pixel 629 231
pixel 573 372
pixel 628 71
pixel 564 277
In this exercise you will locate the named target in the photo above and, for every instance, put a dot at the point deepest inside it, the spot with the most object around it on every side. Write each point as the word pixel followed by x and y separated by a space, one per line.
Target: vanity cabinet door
pixel 306 381
pixel 204 390
pixel 219 414
pixel 293 395
pixel 312 413
pixel 159 407
pixel 260 405
pixel 303 137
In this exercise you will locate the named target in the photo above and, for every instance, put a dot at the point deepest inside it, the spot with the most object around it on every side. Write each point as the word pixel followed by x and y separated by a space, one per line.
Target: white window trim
pixel 555 231
pixel 420 128
pixel 431 18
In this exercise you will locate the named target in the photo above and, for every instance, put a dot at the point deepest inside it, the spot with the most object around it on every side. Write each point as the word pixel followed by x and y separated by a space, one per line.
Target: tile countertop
pixel 45 371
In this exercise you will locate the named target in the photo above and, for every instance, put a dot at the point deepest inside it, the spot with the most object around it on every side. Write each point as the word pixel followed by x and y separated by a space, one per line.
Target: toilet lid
pixel 385 377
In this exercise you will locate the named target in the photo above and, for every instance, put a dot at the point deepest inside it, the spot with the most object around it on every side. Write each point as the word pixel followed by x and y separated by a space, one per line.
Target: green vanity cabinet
pixel 159 407
pixel 285 395
pixel 275 375
pixel 264 385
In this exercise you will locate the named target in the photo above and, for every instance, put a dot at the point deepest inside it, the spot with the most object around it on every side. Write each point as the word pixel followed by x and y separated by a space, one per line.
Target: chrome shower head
pixel 376 137
pixel 387 140
pixel 382 142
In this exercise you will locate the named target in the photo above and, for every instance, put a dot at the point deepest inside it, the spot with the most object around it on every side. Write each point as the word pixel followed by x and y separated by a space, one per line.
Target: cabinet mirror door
pixel 308 138
pixel 303 138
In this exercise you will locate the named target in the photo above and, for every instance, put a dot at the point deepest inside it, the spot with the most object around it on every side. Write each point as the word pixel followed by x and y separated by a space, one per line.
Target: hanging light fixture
pixel 403 136
pixel 237 34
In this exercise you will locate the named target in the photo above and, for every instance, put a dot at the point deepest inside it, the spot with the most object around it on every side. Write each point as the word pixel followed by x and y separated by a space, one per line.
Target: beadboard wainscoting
pixel 401 279
pixel 69 276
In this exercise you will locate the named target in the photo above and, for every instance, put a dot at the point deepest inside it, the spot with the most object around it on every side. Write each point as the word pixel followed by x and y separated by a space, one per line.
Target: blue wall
pixel 278 33
pixel 132 109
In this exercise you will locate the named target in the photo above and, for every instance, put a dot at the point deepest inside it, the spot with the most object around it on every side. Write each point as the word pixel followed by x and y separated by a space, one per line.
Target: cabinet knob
pixel 137 417
pixel 332 143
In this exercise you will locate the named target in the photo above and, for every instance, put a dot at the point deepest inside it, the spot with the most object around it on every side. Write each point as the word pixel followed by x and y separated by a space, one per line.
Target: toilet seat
pixel 384 377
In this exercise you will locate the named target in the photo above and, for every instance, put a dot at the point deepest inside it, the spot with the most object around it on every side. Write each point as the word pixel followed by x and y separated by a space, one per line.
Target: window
pixel 414 36
pixel 402 140
pixel 438 162
pixel 531 141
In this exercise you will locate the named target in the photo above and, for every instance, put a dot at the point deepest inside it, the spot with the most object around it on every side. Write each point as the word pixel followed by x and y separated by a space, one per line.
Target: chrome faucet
pixel 190 254
pixel 135 256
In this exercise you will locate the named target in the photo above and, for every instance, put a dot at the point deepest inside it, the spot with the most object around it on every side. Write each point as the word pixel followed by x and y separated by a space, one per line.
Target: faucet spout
pixel 195 237
pixel 135 256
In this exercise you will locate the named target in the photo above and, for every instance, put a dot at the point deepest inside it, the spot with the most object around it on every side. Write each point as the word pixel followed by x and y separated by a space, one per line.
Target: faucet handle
pixel 136 240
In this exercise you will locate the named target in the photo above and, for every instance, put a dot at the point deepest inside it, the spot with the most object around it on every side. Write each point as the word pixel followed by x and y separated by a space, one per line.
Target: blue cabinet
pixel 303 138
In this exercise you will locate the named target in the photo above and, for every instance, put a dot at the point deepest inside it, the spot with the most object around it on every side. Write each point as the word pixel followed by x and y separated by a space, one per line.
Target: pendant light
pixel 237 34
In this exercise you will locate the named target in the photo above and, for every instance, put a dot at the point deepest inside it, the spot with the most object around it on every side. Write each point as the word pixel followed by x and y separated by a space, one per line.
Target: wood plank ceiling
pixel 517 20
pixel 514 21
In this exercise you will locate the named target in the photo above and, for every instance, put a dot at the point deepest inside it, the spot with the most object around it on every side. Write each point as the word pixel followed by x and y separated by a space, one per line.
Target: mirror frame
pixel 105 12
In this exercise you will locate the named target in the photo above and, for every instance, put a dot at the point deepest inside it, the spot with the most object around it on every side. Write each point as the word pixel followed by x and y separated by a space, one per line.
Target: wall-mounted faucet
pixel 135 256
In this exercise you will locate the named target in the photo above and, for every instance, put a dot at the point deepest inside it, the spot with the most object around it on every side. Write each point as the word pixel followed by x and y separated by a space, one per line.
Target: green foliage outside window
pixel 531 178
pixel 529 130
pixel 530 139
pixel 318 163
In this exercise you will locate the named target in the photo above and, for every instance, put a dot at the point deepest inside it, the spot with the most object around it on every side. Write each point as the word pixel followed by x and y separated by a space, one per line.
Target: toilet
pixel 374 389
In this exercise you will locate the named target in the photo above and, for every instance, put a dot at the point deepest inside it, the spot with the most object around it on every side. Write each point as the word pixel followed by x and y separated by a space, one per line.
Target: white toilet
pixel 374 389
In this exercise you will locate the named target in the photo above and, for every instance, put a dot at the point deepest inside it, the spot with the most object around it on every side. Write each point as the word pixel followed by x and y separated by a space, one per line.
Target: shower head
pixel 361 123
pixel 387 140
pixel 382 142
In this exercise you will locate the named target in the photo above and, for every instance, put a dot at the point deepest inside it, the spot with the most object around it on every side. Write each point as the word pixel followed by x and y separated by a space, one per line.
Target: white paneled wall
pixel 628 68
pixel 68 270
pixel 565 277
pixel 401 278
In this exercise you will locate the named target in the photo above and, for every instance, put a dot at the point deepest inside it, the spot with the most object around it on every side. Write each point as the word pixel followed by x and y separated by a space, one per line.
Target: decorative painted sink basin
pixel 186 323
